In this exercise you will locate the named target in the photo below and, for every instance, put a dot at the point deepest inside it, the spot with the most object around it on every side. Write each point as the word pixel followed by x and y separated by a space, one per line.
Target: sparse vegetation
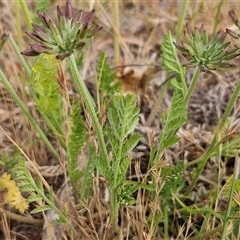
pixel 140 143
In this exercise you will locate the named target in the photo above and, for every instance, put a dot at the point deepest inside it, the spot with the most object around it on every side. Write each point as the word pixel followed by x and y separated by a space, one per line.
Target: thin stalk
pixel 209 234
pixel 19 55
pixel 165 213
pixel 116 31
pixel 114 208
pixel 18 22
pixel 216 19
pixel 181 19
pixel 22 219
pixel 193 83
pixel 88 101
pixel 229 106
pixel 229 208
pixel 26 13
pixel 27 114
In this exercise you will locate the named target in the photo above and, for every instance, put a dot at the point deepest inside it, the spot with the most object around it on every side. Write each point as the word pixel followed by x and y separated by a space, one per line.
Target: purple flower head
pixel 64 38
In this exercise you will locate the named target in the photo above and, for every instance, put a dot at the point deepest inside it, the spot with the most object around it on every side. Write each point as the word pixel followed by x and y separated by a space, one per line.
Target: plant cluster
pixel 109 154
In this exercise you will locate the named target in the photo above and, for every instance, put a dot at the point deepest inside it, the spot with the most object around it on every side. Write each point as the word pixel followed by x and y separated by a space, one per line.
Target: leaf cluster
pixel 177 114
pixel 46 92
pixel 172 177
pixel 77 139
pixel 106 77
pixel 123 118
pixel 35 188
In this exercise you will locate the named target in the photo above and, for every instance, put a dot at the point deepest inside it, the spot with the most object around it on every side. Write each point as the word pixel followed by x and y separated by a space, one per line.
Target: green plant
pixel 123 117
pixel 102 129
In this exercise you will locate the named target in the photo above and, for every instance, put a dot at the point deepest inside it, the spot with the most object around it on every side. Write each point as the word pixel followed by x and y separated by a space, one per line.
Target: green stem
pixel 19 55
pixel 216 19
pixel 26 13
pixel 229 106
pixel 88 101
pixel 193 83
pixel 229 208
pixel 207 235
pixel 27 114
pixel 181 19
pixel 114 208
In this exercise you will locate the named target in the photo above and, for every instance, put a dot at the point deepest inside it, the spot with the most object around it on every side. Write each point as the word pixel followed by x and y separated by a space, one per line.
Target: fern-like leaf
pixel 45 90
pixel 171 62
pixel 40 209
pixel 123 118
pixel 131 143
pixel 177 114
pixel 176 118
pixel 173 180
pixel 77 139
pixel 103 170
pixel 88 174
pixel 106 76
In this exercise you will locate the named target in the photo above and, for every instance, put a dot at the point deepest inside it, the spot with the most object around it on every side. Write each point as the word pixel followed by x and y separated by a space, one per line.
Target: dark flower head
pixel 231 32
pixel 234 19
pixel 66 38
pixel 208 54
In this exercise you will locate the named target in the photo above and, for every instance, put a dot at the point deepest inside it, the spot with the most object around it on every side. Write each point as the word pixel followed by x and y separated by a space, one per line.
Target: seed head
pixel 65 39
pixel 208 54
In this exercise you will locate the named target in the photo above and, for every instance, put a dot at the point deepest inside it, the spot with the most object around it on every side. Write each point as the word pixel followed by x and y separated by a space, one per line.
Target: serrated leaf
pixel 45 86
pixel 173 180
pixel 122 169
pixel 171 62
pixel 88 175
pixel 77 139
pixel 46 93
pixel 123 117
pixel 103 170
pixel 40 209
pixel 34 198
pixel 106 76
pixel 176 118
pixel 114 121
pixel 170 141
pixel 113 140
pixel 131 143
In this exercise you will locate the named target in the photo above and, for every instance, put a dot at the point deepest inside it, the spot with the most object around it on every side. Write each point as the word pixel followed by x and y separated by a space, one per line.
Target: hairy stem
pixel 26 13
pixel 193 84
pixel 88 101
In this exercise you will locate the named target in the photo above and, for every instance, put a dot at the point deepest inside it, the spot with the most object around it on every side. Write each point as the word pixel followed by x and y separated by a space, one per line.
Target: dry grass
pixel 142 26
